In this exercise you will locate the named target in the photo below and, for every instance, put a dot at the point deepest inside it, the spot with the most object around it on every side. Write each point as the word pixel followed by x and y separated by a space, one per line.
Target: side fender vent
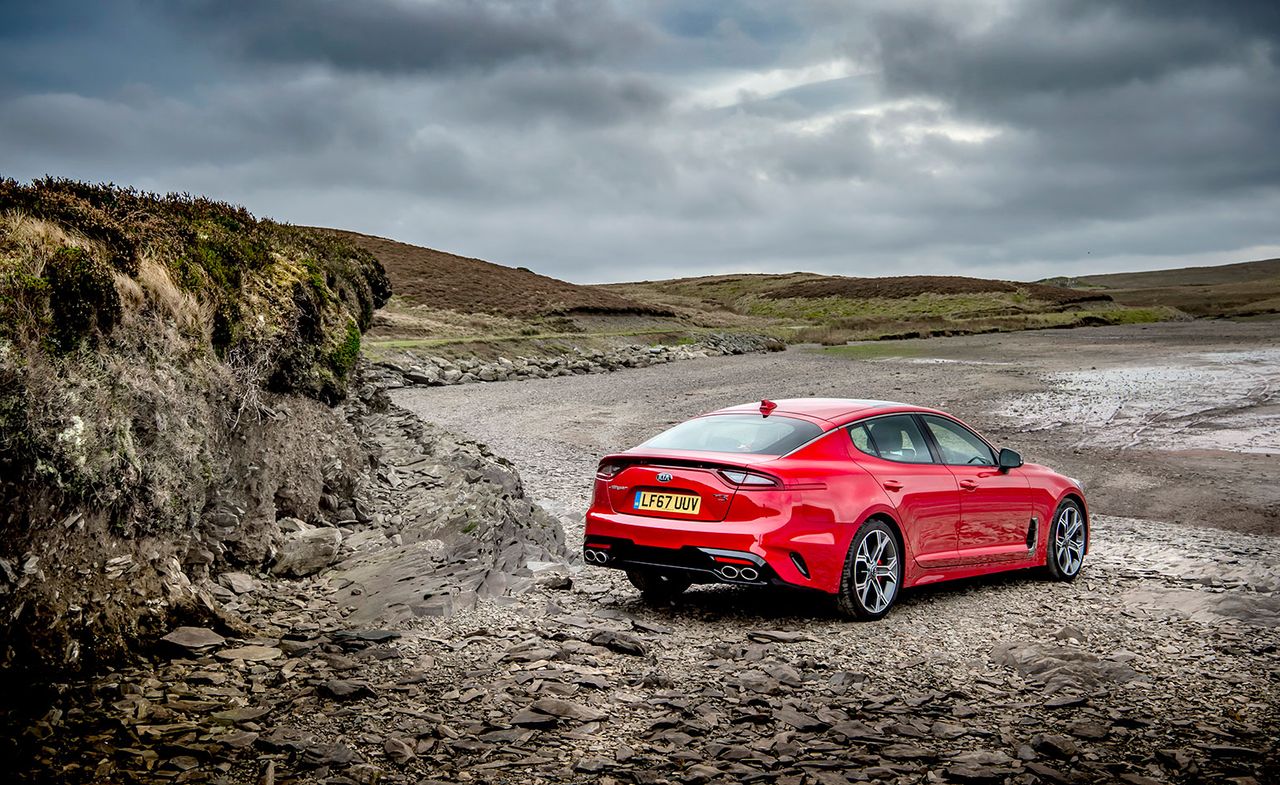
pixel 1031 534
pixel 798 561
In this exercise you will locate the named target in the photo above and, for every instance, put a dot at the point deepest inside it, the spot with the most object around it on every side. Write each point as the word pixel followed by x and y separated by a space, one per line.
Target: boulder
pixel 307 552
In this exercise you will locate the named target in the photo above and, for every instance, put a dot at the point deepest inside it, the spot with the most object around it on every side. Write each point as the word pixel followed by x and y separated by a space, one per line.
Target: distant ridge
pixel 446 281
pixel 1188 276
pixel 1240 289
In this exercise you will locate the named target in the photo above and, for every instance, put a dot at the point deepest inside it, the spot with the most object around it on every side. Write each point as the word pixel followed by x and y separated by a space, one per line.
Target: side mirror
pixel 1009 460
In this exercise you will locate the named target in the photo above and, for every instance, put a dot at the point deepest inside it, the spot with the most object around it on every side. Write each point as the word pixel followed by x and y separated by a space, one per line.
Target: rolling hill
pixel 425 276
pixel 834 309
pixel 1242 289
pixel 443 299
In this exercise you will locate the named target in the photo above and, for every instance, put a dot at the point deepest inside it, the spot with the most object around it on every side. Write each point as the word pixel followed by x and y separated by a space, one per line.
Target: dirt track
pixel 1159 664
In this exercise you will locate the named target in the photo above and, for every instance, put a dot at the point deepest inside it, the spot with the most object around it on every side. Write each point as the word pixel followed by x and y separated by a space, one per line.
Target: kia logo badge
pixel 664 477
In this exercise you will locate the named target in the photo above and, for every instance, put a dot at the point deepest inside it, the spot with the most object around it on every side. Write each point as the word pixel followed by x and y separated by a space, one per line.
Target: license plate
pixel 667 502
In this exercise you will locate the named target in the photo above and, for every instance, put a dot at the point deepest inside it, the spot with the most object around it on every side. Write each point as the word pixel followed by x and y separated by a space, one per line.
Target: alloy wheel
pixel 1069 540
pixel 875 571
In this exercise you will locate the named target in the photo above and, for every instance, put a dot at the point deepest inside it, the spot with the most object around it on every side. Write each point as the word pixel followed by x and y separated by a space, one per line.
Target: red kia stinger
pixel 858 499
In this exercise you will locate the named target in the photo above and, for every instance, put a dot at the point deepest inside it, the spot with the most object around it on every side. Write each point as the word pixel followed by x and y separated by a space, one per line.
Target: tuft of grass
pixel 343 358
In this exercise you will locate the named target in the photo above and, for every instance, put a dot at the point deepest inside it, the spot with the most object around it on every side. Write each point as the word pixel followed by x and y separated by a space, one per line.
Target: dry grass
pixel 171 301
pixel 34 240
pixel 447 282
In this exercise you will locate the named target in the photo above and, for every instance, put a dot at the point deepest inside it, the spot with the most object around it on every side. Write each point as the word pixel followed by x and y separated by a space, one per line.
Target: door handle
pixel 892 485
pixel 969 485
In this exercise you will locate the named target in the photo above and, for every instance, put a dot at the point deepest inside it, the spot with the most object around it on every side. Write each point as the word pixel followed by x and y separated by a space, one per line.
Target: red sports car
pixel 858 499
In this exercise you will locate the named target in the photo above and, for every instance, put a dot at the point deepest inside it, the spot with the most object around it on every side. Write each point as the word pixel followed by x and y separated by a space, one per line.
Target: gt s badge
pixel 664 477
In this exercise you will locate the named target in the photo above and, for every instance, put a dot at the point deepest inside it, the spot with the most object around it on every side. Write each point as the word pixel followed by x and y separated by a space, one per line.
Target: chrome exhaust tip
pixel 729 571
pixel 748 573
pixel 602 557
pixel 594 556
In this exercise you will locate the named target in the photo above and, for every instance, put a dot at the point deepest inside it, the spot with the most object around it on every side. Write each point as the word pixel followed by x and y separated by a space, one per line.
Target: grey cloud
pixel 1020 139
pixel 1061 48
pixel 402 36
pixel 578 98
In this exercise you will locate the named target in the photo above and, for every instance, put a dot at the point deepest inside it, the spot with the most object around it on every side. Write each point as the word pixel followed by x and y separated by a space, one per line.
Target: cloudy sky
pixel 602 141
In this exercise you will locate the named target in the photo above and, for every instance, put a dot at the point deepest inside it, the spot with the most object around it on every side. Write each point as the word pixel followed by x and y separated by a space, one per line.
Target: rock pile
pixel 427 371
pixel 439 523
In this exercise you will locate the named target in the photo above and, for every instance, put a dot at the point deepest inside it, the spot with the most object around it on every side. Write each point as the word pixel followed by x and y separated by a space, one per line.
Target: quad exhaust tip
pixel 596 556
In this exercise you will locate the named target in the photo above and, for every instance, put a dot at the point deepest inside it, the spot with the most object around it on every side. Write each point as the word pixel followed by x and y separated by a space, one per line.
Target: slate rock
pixel 329 755
pixel 238 582
pixel 194 638
pixel 307 552
pixel 567 710
pixel 400 750
pixel 621 642
pixel 1055 746
pixel 799 720
pixel 776 636
pixel 346 689
pixel 528 718
pixel 371 636
pixel 251 653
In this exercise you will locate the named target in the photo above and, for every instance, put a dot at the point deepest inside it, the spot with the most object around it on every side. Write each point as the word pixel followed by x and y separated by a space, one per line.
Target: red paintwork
pixel 954 521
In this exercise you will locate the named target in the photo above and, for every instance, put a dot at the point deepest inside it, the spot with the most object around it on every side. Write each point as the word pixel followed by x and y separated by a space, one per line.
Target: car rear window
pixel 776 435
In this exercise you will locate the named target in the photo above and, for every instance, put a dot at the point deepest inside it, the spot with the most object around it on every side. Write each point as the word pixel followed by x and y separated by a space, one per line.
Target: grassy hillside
pixel 835 309
pixel 459 305
pixel 1244 289
pixel 445 281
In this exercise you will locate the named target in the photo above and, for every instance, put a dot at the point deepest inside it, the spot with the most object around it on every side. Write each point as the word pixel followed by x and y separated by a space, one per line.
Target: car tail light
pixel 608 470
pixel 745 479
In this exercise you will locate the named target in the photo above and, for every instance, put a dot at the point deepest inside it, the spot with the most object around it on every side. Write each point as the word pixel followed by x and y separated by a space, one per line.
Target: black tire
pixel 1064 563
pixel 658 587
pixel 857 599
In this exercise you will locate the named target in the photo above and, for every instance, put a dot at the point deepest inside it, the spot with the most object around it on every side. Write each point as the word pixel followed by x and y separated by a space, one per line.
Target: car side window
pixel 862 440
pixel 898 438
pixel 959 445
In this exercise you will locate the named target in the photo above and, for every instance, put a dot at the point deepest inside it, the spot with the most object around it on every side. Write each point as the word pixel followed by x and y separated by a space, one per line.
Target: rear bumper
pixel 701 565
pixel 781 552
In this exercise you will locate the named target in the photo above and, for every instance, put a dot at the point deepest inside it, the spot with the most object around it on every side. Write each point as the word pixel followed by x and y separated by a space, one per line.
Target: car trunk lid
pixel 663 484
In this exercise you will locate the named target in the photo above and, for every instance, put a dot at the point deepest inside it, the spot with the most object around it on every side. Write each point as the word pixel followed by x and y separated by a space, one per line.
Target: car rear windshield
pixel 743 433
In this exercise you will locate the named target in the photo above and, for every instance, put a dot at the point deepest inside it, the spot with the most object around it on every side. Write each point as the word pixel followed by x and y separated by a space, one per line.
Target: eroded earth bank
pixel 458 638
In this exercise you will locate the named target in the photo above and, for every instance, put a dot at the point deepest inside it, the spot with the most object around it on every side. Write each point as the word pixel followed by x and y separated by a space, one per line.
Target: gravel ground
pixel 1161 663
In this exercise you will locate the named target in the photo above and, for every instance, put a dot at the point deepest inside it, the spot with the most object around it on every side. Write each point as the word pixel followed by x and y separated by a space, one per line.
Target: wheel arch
pixel 889 521
pixel 909 570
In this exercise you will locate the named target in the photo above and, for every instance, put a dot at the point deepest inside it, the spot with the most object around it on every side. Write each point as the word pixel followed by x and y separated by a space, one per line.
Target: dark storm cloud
pixel 605 140
pixel 403 36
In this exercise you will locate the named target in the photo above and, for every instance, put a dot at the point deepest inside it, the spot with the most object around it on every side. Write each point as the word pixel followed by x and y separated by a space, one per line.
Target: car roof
pixel 830 409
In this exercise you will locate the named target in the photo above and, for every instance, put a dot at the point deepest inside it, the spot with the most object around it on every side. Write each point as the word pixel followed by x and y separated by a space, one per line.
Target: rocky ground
pixel 481 651
pixel 412 368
